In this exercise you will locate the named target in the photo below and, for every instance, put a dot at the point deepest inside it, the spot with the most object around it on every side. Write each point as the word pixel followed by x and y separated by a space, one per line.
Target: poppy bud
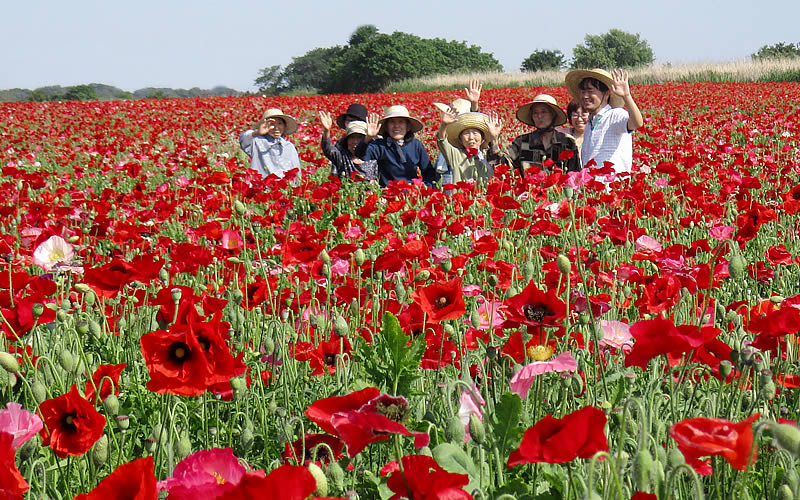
pixel 737 266
pixel 66 360
pixel 477 429
pixel 123 422
pixel 788 436
pixel 446 265
pixel 319 477
pixel 400 291
pixel 89 297
pixel 239 207
pixel 37 309
pixel 641 470
pixel 792 479
pixel 784 493
pixel 492 280
pixel 183 447
pixel 725 368
pixel 83 288
pixel 340 326
pixel 491 352
pixel 111 404
pixel 422 276
pixel 336 475
pixel 163 275
pixel 563 264
pixel 39 391
pixel 359 257
pixel 246 440
pixel 236 384
pixel 776 299
pixel 94 329
pixel 455 430
pixel 100 451
pixel 528 269
pixel 675 458
pixel 591 495
pixel 9 362
pixel 351 495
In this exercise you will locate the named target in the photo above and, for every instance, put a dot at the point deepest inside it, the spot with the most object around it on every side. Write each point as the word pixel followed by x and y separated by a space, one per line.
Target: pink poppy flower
pixel 231 240
pixel 645 242
pixel 579 178
pixel 616 334
pixel 467 405
pixel 522 380
pixel 721 232
pixel 440 254
pixel 20 423
pixel 52 252
pixel 340 267
pixel 490 315
pixel 204 474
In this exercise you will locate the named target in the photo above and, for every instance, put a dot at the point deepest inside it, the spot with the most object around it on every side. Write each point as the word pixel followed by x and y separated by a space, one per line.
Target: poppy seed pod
pixel 37 309
pixel 61 315
pixel 9 362
pixel 446 265
pixel 784 493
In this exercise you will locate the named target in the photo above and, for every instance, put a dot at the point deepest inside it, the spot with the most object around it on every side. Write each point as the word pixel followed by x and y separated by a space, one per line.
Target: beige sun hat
pixel 575 77
pixel 291 123
pixel 459 105
pixel 524 112
pixel 463 122
pixel 399 112
pixel 355 127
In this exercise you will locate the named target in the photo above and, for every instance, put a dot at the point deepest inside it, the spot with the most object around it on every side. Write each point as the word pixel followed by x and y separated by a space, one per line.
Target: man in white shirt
pixel 607 137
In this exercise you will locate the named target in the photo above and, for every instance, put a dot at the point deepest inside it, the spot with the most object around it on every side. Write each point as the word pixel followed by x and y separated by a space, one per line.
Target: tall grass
pixel 771 70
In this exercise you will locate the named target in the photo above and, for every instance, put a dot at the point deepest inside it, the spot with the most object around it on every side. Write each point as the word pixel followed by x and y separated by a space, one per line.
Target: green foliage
pixel 80 93
pixel 541 60
pixel 504 430
pixel 615 49
pixel 453 458
pixel 372 60
pixel 390 361
pixel 779 50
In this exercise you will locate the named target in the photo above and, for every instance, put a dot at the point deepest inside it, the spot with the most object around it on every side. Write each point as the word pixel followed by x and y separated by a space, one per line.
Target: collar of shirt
pixel 598 115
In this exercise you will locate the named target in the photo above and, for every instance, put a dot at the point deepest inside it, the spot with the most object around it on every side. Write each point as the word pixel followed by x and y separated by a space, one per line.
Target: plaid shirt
pixel 528 149
pixel 607 138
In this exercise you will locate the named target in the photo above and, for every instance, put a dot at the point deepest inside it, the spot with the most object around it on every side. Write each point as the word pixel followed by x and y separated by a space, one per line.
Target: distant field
pixel 776 70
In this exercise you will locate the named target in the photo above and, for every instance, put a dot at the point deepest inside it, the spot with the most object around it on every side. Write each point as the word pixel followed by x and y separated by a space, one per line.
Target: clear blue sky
pixel 203 43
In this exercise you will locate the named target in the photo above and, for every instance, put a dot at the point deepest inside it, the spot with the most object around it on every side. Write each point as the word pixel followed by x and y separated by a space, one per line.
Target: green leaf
pixel 391 362
pixel 454 459
pixel 504 423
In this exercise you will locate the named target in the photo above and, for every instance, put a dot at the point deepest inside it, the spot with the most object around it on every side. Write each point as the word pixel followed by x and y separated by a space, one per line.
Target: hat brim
pixel 341 118
pixel 291 124
pixel 464 122
pixel 416 125
pixel 524 114
pixel 575 77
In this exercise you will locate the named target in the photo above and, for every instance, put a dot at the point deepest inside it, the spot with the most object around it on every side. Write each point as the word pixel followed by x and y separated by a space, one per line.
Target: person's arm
pixel 474 94
pixel 449 152
pixel 246 137
pixel 429 175
pixel 291 152
pixel 621 88
pixel 448 117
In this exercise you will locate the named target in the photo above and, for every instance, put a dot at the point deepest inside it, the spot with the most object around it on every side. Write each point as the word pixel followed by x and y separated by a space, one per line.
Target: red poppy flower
pixel 134 480
pixel 559 440
pixel 11 481
pixel 72 425
pixel 660 336
pixel 363 417
pixel 287 482
pixel 703 437
pixel 533 307
pixel 313 451
pixel 107 280
pixel 422 477
pixel 323 357
pixel 100 380
pixel 441 301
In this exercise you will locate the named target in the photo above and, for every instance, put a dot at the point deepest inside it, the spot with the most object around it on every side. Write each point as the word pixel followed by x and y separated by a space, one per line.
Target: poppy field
pixel 173 325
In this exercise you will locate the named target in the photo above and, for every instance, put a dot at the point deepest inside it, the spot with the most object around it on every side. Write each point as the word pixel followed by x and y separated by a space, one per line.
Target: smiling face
pixel 471 138
pixel 542 116
pixel 353 140
pixel 397 128
pixel 276 127
pixel 578 119
pixel 592 97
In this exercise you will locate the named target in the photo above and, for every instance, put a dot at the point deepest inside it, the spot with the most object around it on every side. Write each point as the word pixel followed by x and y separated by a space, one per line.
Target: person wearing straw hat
pixel 461 140
pixel 544 147
pixel 608 135
pixel 270 153
pixel 460 105
pixel 400 156
pixel 342 156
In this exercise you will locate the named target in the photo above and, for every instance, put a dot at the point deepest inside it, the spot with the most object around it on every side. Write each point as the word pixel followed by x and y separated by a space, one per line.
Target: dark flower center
pixel 441 302
pixel 796 195
pixel 329 359
pixel 179 352
pixel 204 343
pixel 69 423
pixel 394 411
pixel 536 312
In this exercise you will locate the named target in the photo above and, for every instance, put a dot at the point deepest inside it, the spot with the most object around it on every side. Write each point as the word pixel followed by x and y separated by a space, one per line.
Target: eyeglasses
pixel 577 115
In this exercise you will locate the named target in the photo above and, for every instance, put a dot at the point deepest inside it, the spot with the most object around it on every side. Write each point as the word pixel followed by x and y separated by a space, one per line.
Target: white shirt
pixel 607 138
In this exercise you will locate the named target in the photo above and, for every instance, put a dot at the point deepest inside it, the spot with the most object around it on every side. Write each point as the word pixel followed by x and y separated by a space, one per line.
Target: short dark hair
pixel 602 87
pixel 571 108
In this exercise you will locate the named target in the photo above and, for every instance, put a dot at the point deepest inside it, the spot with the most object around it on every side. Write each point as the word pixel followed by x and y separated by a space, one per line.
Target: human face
pixel 276 127
pixel 578 119
pixel 541 115
pixel 353 140
pixel 592 98
pixel 397 128
pixel 471 138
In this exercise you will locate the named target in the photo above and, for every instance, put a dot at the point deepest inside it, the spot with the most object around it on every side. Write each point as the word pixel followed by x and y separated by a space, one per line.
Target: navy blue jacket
pixel 390 165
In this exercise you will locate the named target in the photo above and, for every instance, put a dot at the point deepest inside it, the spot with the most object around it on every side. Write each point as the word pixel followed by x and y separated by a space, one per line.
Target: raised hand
pixel 261 127
pixel 372 125
pixel 620 85
pixel 494 124
pixel 474 91
pixel 449 116
pixel 326 120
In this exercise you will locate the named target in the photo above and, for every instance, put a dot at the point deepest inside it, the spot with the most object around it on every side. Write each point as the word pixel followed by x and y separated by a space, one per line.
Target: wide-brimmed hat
pixel 355 127
pixel 291 123
pixel 559 116
pixel 459 106
pixel 356 111
pixel 399 112
pixel 575 77
pixel 465 121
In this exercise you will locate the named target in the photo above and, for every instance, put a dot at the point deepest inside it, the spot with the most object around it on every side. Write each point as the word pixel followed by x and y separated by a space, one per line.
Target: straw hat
pixel 355 127
pixel 575 77
pixel 459 105
pixel 399 112
pixel 462 123
pixel 356 111
pixel 524 112
pixel 291 123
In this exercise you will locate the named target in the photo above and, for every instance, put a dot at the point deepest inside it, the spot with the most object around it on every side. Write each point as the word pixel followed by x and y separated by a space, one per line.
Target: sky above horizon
pixel 183 44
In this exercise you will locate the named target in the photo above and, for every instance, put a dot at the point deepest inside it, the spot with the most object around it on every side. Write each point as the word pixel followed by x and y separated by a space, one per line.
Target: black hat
pixel 356 111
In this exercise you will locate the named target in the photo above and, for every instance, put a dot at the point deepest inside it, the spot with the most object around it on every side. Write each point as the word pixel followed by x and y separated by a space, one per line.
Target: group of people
pixel 601 116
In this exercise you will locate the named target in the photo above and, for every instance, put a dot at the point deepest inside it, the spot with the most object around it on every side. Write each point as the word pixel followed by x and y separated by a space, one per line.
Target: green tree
pixel 777 51
pixel 615 49
pixel 270 80
pixel 311 70
pixel 541 60
pixel 80 93
pixel 362 34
